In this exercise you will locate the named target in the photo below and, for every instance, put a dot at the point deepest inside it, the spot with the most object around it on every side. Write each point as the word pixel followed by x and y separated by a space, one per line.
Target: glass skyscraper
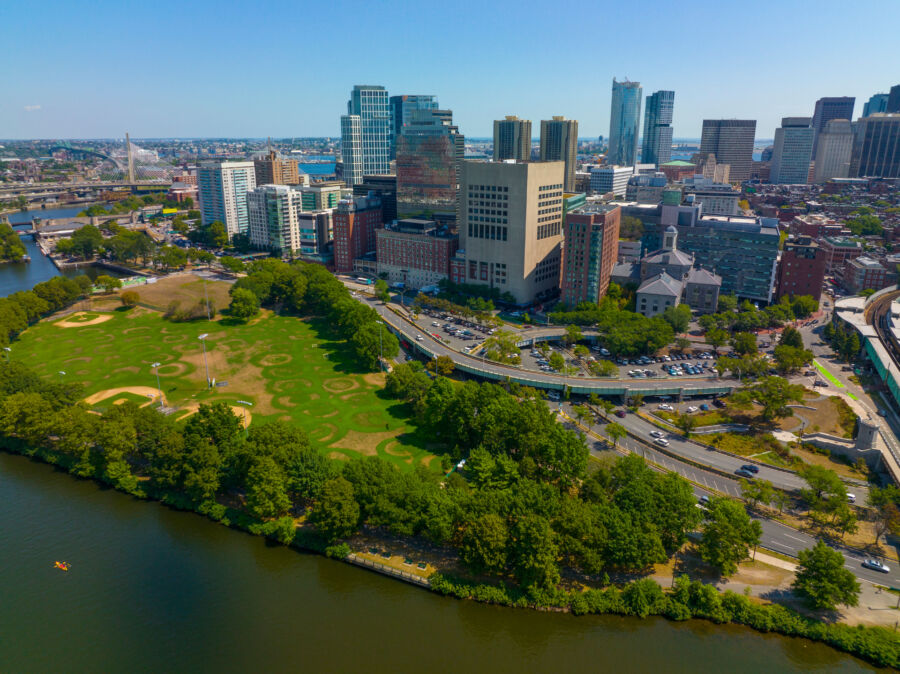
pixel 624 123
pixel 657 144
pixel 793 151
pixel 402 108
pixel 366 133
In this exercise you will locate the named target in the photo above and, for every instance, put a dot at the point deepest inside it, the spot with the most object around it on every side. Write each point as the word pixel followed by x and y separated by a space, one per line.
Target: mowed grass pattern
pixel 285 366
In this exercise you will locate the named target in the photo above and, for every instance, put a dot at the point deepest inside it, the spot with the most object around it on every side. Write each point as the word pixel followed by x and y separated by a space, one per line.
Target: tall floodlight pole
pixel 206 294
pixel 381 344
pixel 7 351
pixel 155 367
pixel 202 339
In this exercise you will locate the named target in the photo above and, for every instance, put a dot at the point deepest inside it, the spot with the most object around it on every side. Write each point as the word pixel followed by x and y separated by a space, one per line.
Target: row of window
pixel 491 232
pixel 545 231
pixel 488 188
pixel 544 188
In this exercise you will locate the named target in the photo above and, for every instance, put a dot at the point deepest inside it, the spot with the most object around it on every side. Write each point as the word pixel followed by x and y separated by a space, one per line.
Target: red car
pixel 620 414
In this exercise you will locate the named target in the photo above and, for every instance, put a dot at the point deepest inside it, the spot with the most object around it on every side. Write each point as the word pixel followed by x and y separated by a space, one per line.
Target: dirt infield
pixel 72 321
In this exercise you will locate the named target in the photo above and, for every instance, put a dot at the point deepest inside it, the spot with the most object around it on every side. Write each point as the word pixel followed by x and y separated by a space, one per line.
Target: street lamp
pixel 381 344
pixel 8 351
pixel 155 366
pixel 245 404
pixel 206 294
pixel 202 339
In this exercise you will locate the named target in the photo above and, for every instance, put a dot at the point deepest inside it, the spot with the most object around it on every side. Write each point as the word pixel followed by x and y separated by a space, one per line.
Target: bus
pixel 364 281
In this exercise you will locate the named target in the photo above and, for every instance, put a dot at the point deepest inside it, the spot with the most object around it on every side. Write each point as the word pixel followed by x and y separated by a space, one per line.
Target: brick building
pixel 590 250
pixel 814 225
pixel 864 273
pixel 415 251
pixel 838 251
pixel 355 221
pixel 801 270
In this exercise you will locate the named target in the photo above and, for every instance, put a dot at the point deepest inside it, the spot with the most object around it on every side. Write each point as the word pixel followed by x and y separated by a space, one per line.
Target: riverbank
pixel 641 598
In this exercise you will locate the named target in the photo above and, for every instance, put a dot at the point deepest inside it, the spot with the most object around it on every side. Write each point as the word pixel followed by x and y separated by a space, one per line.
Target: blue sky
pixel 223 68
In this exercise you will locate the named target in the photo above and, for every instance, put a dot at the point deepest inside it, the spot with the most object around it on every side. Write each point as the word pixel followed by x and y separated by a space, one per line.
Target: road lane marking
pixel 795 538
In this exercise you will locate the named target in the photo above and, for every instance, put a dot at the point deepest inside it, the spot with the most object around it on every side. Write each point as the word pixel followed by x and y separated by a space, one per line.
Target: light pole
pixel 155 366
pixel 206 294
pixel 245 404
pixel 7 351
pixel 381 345
pixel 202 339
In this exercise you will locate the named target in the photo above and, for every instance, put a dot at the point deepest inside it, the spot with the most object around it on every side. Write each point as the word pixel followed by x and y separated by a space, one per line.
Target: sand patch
pixel 82 359
pixel 285 401
pixel 241 412
pixel 364 443
pixel 144 391
pixel 133 369
pixel 340 456
pixel 339 385
pixel 374 379
pixel 275 359
pixel 72 321
pixel 328 429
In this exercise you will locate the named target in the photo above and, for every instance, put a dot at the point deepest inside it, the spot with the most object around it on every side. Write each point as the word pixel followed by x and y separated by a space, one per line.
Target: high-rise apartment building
pixel 606 179
pixel 793 150
pixel 366 133
pixel 355 222
pixel 876 147
pixel 828 108
pixel 273 170
pixel 834 150
pixel 657 144
pixel 731 140
pixel 402 108
pixel 512 139
pixel 559 142
pixel 893 102
pixel 430 151
pixel 272 211
pixel 510 227
pixel 222 189
pixel 876 103
pixel 624 123
pixel 590 251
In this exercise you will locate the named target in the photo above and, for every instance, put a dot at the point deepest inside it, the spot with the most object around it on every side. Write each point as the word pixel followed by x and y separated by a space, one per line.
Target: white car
pixel 657 434
pixel 662 442
pixel 692 408
pixel 419 338
pixel 875 565
pixel 665 406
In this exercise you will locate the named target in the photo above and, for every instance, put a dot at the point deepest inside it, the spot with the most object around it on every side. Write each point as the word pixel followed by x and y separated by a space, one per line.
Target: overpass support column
pixel 680 395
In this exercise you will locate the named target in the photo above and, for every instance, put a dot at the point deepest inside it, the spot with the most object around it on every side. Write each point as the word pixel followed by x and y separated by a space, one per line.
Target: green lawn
pixel 288 368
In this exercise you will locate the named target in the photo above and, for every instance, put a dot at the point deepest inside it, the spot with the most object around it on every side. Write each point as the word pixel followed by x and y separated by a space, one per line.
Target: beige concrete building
pixel 273 170
pixel 510 226
pixel 559 141
pixel 512 139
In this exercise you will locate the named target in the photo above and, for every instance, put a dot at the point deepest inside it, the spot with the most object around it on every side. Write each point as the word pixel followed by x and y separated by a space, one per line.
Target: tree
pixel 754 491
pixel 171 257
pixel 442 366
pixel 865 225
pixel 217 235
pixel 382 292
pixel 241 242
pixel 824 484
pixel 232 264
pixel 556 361
pixel 791 337
pixel 686 423
pixel 682 344
pixel 716 337
pixel 773 394
pixel 885 500
pixel 129 298
pixel 108 283
pixel 581 351
pixel 534 552
pixel 790 359
pixel 484 544
pixel 678 317
pixel 336 513
pixel 615 432
pixel 86 241
pixel 727 303
pixel 267 492
pixel 631 228
pixel 244 304
pixel 744 343
pixel 728 535
pixel 822 581
pixel 573 334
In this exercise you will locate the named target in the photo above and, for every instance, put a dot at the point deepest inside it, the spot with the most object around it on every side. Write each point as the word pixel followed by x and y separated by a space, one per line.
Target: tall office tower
pixel 731 140
pixel 833 153
pixel 876 103
pixel 273 170
pixel 793 150
pixel 222 189
pixel 510 227
pixel 429 153
pixel 559 142
pixel 590 252
pixel 832 107
pixel 366 133
pixel 355 221
pixel 402 108
pixel 272 211
pixel 876 147
pixel 657 144
pixel 512 138
pixel 624 123
pixel 385 188
pixel 893 102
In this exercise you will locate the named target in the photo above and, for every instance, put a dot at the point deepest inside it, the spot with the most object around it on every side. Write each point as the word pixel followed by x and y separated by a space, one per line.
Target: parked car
pixel 719 403
pixel 851 498
pixel 704 500
pixel 692 408
pixel 704 407
pixel 875 565
pixel 665 406
pixel 819 382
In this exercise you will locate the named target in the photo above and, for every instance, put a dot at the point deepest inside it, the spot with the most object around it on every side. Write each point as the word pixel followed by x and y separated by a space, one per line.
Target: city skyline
pixel 187 65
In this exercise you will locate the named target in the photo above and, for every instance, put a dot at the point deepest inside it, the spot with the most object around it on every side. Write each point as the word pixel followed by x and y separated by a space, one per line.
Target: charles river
pixel 156 590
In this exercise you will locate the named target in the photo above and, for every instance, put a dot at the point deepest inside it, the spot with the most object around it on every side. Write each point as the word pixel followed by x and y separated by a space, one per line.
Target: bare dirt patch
pixel 364 443
pixel 72 321
pixel 374 379
pixel 339 385
pixel 275 359
pixel 241 412
pixel 340 456
pixel 186 289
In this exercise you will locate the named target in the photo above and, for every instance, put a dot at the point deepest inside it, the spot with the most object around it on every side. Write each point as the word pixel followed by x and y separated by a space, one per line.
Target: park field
pixel 286 367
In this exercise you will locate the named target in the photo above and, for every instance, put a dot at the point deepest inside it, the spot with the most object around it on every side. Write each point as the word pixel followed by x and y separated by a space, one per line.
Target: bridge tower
pixel 130 159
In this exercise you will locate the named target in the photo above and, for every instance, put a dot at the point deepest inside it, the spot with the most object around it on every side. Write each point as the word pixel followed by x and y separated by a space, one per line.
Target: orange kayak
pixel 63 566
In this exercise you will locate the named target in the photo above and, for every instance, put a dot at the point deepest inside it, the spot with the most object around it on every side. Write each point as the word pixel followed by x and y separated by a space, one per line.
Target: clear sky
pixel 213 68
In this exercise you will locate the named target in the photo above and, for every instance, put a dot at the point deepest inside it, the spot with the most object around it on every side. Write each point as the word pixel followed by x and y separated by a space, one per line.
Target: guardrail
pixel 365 563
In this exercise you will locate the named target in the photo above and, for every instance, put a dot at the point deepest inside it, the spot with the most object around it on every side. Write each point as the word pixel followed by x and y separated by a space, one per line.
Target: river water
pixel 155 590
pixel 16 276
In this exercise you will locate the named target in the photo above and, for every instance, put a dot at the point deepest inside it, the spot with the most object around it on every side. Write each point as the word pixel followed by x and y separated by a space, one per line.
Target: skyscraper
pixel 429 153
pixel 272 212
pixel 366 133
pixel 273 170
pixel 893 102
pixel 731 140
pixel 876 147
pixel 657 143
pixel 793 149
pixel 512 139
pixel 222 189
pixel 833 153
pixel 876 103
pixel 832 107
pixel 624 123
pixel 590 252
pixel 559 142
pixel 402 108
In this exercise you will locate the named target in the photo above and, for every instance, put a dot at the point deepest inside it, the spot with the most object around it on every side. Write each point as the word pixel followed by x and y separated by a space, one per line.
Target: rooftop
pixel 677 162
pixel 661 284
